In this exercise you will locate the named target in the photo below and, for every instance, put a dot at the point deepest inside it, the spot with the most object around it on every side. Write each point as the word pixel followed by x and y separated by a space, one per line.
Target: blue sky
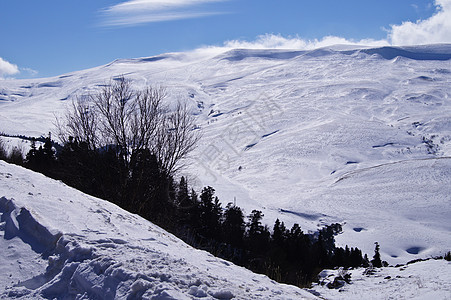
pixel 52 37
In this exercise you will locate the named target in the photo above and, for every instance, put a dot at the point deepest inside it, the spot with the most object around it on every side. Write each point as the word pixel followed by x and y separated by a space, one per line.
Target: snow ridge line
pixel 354 172
pixel 19 222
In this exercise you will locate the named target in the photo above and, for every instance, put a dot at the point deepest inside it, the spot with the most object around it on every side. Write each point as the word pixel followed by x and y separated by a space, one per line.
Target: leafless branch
pixel 132 121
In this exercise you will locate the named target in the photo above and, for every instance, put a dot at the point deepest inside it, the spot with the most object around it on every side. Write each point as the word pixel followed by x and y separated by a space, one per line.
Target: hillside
pixel 360 136
pixel 56 242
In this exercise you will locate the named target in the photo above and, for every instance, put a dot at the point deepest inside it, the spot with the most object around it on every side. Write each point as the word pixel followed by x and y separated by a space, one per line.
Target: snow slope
pixel 423 280
pixel 356 135
pixel 56 242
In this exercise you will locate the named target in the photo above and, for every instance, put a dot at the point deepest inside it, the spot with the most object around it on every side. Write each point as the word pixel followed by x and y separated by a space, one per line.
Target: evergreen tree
pixel 183 199
pixel 279 234
pixel 376 261
pixel 194 211
pixel 347 262
pixel 356 259
pixel 172 193
pixel 87 170
pixel 257 234
pixel 322 248
pixel 144 173
pixel 151 188
pixel 277 254
pixel 47 151
pixel 233 225
pixel 32 155
pixel 298 244
pixel 43 159
pixel 210 214
pixel 366 261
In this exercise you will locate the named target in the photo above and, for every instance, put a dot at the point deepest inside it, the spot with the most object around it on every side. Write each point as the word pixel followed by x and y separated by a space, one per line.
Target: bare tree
pixel 147 117
pixel 80 122
pixel 174 138
pixel 132 121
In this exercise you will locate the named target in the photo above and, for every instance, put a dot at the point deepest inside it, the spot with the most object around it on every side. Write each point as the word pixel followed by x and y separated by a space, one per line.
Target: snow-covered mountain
pixel 359 136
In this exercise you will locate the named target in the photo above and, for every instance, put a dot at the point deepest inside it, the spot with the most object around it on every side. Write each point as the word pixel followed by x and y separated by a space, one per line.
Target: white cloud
pixel 150 18
pixel 29 71
pixel 271 41
pixel 135 12
pixel 436 29
pixel 7 68
pixel 133 6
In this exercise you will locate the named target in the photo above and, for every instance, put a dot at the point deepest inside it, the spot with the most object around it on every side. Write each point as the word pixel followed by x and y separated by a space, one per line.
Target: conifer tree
pixel 47 151
pixel 233 225
pixel 376 261
pixel 42 159
pixel 257 234
pixel 210 214
pixel 183 200
pixel 31 157
pixel 194 211
pixel 279 234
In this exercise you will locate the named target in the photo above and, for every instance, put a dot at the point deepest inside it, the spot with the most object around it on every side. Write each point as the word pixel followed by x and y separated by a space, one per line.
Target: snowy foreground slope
pixel 56 242
pixel 354 135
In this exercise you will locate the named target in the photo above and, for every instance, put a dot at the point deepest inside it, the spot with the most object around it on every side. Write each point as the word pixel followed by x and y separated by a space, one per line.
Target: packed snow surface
pixel 58 243
pixel 355 135
pixel 424 280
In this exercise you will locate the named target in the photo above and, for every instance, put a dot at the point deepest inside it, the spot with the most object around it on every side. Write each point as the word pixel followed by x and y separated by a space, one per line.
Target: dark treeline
pixel 24 137
pixel 142 186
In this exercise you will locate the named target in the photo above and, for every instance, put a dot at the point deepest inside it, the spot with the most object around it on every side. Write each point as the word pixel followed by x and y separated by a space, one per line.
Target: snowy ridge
pixel 104 252
pixel 348 134
pixel 426 52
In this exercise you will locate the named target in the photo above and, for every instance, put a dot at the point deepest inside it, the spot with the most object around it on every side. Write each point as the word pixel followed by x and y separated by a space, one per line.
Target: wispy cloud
pixel 271 41
pixel 29 71
pixel 133 6
pixel 436 29
pixel 136 12
pixel 275 41
pixel 7 68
